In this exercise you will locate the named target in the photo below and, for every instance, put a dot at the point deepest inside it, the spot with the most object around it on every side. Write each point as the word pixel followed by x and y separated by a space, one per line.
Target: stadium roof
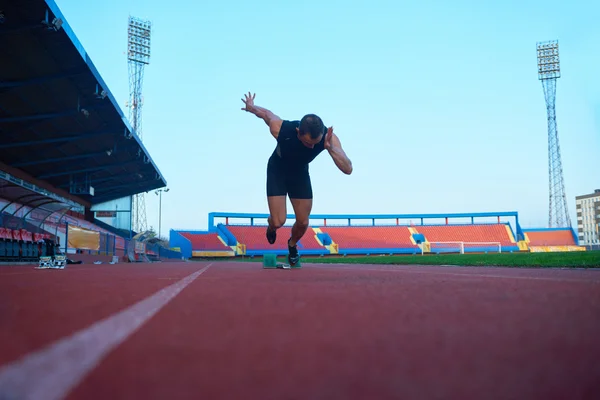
pixel 15 190
pixel 59 122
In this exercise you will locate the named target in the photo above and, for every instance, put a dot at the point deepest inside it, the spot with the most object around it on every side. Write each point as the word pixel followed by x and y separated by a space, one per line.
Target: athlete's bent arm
pixel 337 153
pixel 272 120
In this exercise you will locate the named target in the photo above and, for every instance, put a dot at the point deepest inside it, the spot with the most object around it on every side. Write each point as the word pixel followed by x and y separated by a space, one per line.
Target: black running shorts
pixel 286 180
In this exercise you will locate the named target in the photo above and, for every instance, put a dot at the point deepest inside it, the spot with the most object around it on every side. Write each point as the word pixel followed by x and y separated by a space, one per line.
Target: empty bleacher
pixel 26 235
pixel 205 241
pixel 403 237
pixel 374 238
pixel 468 233
pixel 551 239
pixel 563 237
pixel 382 238
pixel 22 245
pixel 254 238
pixel 21 240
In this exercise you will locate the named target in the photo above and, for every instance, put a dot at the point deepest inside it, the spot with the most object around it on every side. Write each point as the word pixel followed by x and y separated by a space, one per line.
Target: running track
pixel 236 331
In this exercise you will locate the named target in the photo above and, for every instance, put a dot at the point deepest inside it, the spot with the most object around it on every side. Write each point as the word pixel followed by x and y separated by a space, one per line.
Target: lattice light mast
pixel 138 55
pixel 548 73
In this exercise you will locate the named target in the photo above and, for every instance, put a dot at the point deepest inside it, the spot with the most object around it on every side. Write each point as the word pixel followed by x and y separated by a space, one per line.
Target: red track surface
pixel 321 332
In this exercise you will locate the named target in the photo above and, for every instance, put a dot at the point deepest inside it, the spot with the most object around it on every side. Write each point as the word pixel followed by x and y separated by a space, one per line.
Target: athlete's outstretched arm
pixel 272 120
pixel 334 147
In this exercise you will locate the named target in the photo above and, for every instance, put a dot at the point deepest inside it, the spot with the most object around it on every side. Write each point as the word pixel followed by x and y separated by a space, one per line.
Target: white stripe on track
pixel 52 372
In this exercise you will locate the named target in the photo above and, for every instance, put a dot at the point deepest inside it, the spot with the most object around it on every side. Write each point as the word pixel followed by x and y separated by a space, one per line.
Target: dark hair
pixel 313 125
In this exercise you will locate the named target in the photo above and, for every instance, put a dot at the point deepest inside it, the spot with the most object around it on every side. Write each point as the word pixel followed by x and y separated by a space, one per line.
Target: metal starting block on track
pixel 59 262
pixel 45 263
pixel 270 262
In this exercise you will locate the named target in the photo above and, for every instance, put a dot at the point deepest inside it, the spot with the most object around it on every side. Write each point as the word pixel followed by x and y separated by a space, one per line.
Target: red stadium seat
pixel 370 237
pixel 551 238
pixel 253 236
pixel 467 233
pixel 205 241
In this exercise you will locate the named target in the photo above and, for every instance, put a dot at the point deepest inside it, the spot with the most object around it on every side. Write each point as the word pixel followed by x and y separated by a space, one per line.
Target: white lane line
pixel 466 274
pixel 52 372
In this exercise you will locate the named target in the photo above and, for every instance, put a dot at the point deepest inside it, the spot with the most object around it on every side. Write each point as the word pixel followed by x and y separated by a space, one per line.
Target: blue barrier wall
pixel 226 235
pixel 324 238
pixel 176 240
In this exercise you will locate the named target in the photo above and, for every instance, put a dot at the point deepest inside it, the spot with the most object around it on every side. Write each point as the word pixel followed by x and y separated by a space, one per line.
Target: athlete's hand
pixel 328 137
pixel 249 102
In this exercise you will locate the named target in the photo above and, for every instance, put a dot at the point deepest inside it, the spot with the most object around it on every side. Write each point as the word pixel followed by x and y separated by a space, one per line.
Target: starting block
pixel 46 262
pixel 270 262
pixel 60 262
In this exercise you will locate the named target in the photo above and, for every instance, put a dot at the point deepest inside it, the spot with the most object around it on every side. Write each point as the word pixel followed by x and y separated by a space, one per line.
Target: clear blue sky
pixel 437 103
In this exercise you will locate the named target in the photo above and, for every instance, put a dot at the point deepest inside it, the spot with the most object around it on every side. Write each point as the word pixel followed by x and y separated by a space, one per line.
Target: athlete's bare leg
pixel 278 213
pixel 302 209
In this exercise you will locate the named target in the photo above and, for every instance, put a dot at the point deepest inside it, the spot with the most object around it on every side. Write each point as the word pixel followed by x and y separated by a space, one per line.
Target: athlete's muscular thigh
pixel 276 192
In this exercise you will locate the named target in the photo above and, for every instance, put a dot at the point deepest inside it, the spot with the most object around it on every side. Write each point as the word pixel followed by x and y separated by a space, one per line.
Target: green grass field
pixel 576 259
pixel 588 259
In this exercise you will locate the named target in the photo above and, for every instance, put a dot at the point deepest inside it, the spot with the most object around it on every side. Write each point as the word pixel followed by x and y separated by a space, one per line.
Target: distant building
pixel 588 218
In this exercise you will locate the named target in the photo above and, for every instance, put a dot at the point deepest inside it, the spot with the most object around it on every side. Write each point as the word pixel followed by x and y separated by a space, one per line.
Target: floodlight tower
pixel 548 73
pixel 138 55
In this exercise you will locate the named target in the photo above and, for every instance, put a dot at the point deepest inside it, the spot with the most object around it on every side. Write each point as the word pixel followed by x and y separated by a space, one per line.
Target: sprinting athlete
pixel 298 143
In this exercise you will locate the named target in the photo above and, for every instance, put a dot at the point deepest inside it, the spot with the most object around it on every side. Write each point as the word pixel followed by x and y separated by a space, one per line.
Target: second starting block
pixel 270 262
pixel 58 262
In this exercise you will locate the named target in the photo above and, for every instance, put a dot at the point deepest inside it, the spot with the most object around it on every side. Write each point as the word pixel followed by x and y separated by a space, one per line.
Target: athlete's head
pixel 311 130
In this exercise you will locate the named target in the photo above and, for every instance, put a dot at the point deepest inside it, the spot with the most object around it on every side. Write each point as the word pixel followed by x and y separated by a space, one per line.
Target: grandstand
pixel 384 234
pixel 67 150
pixel 551 239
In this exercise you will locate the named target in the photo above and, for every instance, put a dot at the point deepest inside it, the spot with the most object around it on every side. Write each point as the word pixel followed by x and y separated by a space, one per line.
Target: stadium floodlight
pixel 138 47
pixel 548 73
pixel 138 54
pixel 548 60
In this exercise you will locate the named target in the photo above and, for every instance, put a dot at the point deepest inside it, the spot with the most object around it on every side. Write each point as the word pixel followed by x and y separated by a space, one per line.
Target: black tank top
pixel 291 150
